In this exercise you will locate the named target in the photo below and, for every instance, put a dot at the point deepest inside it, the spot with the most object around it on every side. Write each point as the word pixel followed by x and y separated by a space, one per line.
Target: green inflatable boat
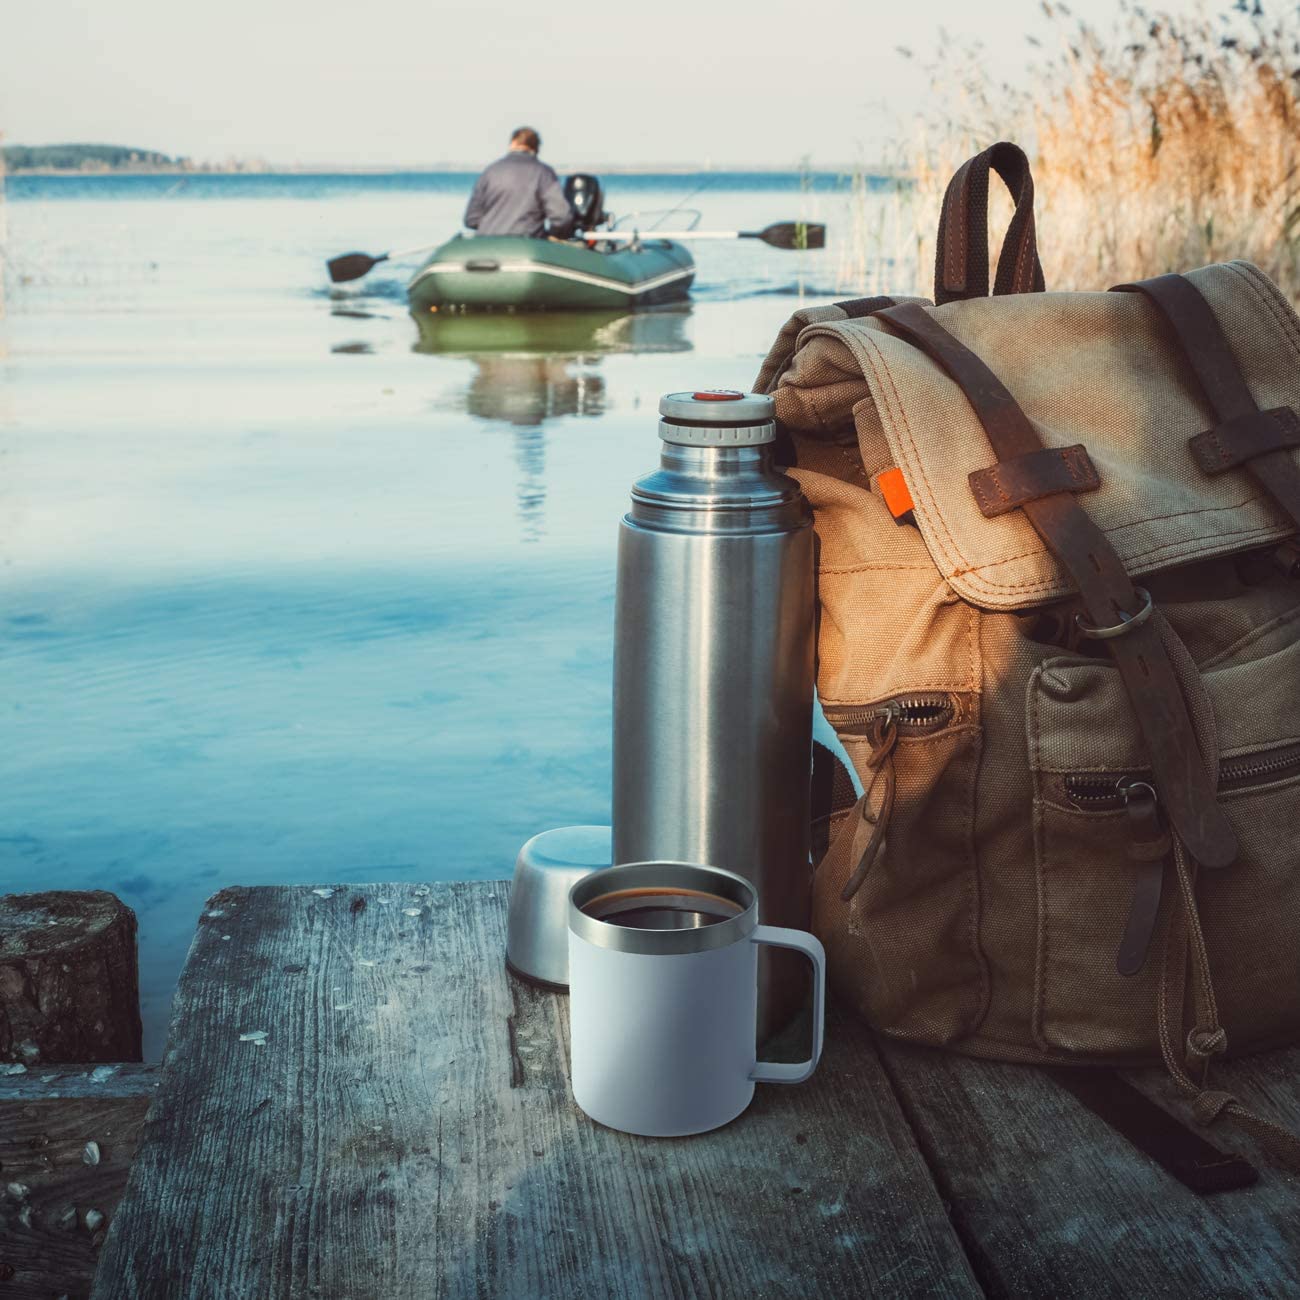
pixel 505 271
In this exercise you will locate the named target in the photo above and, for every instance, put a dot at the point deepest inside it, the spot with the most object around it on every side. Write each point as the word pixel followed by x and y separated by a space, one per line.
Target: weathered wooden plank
pixel 74 1082
pixel 406 1130
pixel 1052 1202
pixel 67 1137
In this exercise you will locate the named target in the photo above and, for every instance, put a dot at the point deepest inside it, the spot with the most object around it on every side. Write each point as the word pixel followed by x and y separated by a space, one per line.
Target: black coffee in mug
pixel 662 908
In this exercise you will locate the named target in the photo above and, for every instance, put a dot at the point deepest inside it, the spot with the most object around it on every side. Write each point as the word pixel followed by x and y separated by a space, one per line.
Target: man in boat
pixel 520 195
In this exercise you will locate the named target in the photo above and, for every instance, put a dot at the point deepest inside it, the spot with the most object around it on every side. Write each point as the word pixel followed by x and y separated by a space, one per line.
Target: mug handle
pixel 778 937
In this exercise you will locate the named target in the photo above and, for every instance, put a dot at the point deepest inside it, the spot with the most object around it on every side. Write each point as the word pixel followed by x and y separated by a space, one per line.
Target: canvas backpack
pixel 1059 639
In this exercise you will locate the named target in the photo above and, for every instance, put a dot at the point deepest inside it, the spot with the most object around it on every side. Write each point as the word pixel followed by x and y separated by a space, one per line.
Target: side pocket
pixel 1082 1004
pixel 905 948
pixel 1084 748
pixel 1250 913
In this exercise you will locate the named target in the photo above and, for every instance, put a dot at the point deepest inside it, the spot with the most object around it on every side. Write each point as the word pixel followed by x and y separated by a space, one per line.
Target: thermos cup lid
pixel 537 930
pixel 717 417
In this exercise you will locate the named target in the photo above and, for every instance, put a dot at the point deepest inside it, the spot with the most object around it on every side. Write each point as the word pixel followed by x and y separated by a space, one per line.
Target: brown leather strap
pixel 961 267
pixel 853 307
pixel 1246 436
pixel 1108 595
pixel 1177 1149
pixel 1214 364
pixel 1149 845
pixel 1010 483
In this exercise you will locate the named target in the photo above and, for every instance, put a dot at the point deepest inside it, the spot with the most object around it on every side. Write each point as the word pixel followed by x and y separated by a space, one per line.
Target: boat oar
pixel 781 234
pixel 352 266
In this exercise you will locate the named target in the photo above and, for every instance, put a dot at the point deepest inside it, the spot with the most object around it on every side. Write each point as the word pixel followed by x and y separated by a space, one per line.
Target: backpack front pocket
pixel 1087 756
pixel 904 948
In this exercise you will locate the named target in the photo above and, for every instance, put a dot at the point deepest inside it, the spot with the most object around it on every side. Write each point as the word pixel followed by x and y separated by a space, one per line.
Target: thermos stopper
pixel 717 417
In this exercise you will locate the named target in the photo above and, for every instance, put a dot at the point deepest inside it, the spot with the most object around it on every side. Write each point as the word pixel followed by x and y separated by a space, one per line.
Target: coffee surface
pixel 662 908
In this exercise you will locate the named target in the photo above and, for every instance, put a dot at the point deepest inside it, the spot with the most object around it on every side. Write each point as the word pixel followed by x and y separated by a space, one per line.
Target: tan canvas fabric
pixel 991 919
pixel 1092 368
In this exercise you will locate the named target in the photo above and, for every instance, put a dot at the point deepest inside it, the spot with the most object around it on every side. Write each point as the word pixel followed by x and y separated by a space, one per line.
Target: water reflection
pixel 531 367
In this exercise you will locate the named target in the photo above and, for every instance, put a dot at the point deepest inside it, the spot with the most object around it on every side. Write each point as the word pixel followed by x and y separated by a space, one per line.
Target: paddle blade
pixel 350 266
pixel 794 234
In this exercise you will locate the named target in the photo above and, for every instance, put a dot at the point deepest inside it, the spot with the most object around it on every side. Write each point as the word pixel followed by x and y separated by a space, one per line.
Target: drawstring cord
pixel 868 827
pixel 1207 1037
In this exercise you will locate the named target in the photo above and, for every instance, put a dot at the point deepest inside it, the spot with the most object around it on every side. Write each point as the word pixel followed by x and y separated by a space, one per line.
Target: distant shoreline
pixel 449 169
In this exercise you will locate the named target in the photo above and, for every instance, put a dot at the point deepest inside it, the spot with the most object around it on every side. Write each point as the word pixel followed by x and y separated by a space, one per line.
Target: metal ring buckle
pixel 1127 785
pixel 1127 622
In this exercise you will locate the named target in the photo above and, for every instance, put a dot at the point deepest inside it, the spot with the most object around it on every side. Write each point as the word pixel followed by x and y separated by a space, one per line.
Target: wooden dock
pixel 358 1102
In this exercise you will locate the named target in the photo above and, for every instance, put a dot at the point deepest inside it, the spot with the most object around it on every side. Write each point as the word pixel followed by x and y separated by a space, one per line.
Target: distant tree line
pixel 85 157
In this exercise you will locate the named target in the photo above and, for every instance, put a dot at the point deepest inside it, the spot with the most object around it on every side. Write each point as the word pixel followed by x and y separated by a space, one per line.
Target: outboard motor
pixel 586 198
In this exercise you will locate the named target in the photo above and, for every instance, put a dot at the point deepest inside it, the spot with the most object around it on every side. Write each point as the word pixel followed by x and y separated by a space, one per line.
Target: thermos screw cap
pixel 719 417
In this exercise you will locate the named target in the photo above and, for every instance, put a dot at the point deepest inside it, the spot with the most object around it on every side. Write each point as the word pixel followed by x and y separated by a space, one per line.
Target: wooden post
pixel 69 983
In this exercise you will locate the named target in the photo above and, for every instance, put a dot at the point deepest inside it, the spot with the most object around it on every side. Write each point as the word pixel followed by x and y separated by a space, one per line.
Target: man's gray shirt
pixel 519 195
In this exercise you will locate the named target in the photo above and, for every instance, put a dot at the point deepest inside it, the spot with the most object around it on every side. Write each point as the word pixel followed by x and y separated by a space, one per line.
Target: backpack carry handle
pixel 961 263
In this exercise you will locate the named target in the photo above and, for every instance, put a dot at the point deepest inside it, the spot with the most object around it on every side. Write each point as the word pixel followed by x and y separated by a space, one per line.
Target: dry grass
pixel 1167 144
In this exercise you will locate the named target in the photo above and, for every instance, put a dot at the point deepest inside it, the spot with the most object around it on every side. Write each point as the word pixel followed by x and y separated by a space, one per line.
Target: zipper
pixel 1106 791
pixel 911 714
pixel 1251 768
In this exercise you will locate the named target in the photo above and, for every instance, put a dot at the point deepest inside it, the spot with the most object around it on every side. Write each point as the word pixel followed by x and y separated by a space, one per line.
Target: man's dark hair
pixel 526 136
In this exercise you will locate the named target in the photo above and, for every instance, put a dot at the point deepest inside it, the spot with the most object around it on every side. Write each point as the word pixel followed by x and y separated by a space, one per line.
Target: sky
pixel 420 83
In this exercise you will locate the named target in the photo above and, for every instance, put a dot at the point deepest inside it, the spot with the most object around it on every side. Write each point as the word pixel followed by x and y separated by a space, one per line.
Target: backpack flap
pixel 1100 371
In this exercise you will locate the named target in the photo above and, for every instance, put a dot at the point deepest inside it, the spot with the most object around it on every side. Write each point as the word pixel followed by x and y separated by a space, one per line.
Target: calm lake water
pixel 292 593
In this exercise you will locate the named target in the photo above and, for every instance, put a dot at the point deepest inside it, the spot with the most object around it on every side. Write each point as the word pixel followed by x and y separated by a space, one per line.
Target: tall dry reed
pixel 1165 144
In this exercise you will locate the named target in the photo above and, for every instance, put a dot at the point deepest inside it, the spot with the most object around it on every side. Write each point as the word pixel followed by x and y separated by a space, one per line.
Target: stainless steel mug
pixel 663 969
pixel 713 667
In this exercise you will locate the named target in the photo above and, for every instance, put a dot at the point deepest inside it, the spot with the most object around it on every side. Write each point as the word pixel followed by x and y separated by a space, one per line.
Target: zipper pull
pixel 1148 848
pixel 882 732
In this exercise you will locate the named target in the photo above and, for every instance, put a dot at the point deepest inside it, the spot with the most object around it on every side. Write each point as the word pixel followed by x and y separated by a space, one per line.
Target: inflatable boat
pixel 603 268
pixel 506 271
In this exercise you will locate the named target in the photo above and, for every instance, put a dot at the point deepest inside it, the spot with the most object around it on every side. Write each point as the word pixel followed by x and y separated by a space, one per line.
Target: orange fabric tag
pixel 893 487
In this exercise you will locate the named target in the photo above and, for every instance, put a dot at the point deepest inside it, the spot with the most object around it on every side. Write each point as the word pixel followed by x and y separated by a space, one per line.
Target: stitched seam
pixel 1242 451
pixel 960 207
pixel 1265 291
pixel 865 346
pixel 963 731
pixel 871 566
pixel 891 689
pixel 972 653
pixel 1192 542
pixel 1268 532
pixel 946 543
pixel 1222 450
pixel 1119 528
pixel 1024 247
pixel 1244 642
pixel 1040 873
pixel 971 883
pixel 855 465
pixel 963 210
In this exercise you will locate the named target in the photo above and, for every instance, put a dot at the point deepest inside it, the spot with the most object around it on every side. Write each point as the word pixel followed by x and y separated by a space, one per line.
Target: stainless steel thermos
pixel 713 666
